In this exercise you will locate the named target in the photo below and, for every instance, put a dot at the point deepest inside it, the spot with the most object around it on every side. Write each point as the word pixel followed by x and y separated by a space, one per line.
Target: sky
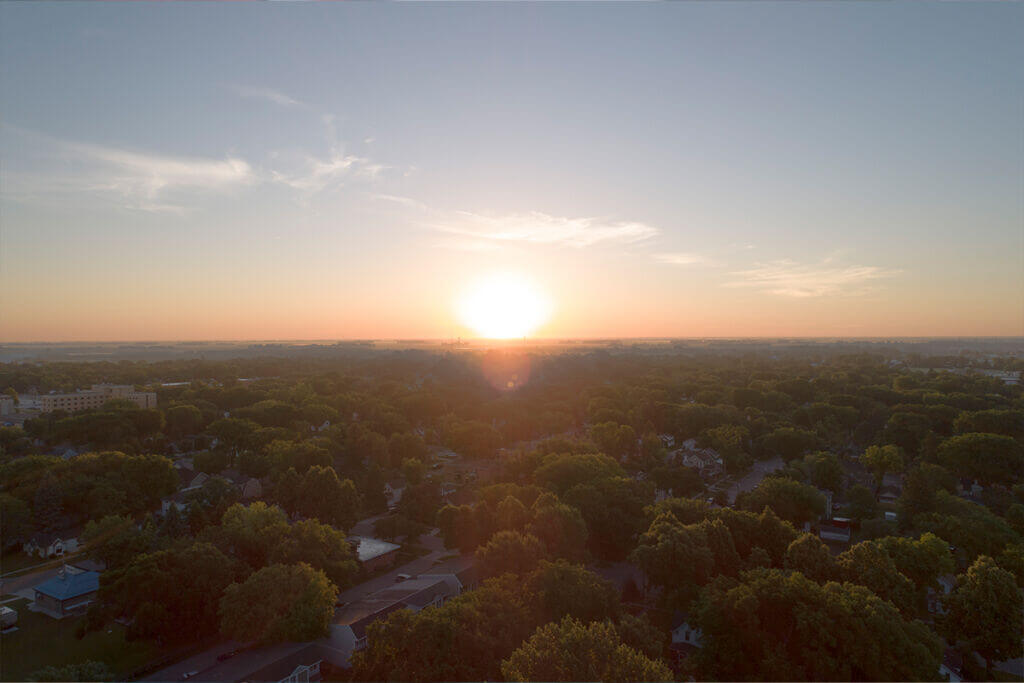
pixel 353 171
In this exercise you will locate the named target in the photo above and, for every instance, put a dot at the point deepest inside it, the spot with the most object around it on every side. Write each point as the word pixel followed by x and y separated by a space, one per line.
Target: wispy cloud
pixel 684 259
pixel 540 228
pixel 788 278
pixel 268 94
pixel 136 180
pixel 404 201
pixel 314 174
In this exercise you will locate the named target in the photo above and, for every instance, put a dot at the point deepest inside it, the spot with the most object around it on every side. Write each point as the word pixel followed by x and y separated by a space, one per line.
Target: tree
pixel 115 541
pixel 989 458
pixel 678 480
pixel 809 556
pixel 730 441
pixel 559 473
pixel 615 506
pixel 789 443
pixel 300 455
pixel 882 459
pixel 869 565
pixel 183 420
pixel 414 470
pixel 775 625
pixel 618 441
pixel 511 514
pixel 325 497
pixel 790 500
pixel 404 446
pixel 862 502
pixel 170 595
pixel 462 640
pixel 250 532
pixel 971 527
pixel 232 433
pixel 16 519
pixel 676 557
pixel 922 483
pixel 560 527
pixel 320 546
pixel 826 472
pixel 211 462
pixel 922 561
pixel 641 635
pixel 281 602
pixel 986 612
pixel 571 651
pixel 569 589
pixel 509 551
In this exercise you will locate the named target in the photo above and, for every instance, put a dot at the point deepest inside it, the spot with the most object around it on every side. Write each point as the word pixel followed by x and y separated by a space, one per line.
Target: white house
pixel 51 545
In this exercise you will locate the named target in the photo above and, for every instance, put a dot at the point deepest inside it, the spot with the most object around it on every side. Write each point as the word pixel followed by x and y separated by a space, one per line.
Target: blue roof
pixel 71 586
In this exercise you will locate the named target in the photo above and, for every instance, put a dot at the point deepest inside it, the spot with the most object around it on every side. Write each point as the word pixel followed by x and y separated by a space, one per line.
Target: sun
pixel 504 306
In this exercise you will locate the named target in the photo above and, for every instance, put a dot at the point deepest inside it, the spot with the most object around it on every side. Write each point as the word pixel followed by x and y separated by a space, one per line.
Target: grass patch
pixel 41 641
pixel 20 563
pixel 16 561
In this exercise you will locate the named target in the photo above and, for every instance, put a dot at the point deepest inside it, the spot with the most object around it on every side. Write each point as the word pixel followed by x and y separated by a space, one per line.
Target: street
pixel 758 472
pixel 208 658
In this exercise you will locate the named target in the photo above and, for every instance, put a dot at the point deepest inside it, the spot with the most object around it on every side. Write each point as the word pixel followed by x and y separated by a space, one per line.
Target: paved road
pixel 208 659
pixel 22 585
pixel 758 472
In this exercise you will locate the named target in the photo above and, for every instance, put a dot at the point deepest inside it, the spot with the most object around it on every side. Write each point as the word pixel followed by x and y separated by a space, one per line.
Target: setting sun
pixel 504 306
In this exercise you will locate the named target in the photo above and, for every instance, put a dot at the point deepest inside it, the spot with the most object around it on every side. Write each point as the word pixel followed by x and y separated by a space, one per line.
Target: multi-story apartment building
pixel 95 398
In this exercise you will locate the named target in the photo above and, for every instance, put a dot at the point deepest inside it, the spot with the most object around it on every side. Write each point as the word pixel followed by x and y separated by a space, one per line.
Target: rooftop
pixel 70 585
pixel 370 548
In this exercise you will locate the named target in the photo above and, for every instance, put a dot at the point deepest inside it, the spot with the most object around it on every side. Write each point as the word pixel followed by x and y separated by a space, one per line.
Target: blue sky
pixel 289 170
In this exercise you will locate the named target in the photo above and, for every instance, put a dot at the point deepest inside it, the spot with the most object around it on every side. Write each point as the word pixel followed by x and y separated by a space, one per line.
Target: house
pixel 947 582
pixel 686 638
pixel 705 460
pixel 46 545
pixel 252 488
pixel 373 553
pixel 198 481
pixel 888 495
pixel 69 592
pixel 952 666
pixel 349 628
pixel 393 491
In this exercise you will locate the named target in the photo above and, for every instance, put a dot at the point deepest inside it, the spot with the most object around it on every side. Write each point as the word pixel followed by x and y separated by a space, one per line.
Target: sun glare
pixel 504 306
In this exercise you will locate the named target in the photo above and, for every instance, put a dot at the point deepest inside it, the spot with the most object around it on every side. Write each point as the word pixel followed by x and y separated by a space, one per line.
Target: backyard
pixel 42 641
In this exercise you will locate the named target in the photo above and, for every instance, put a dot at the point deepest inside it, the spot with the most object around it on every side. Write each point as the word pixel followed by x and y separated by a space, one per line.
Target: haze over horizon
pixel 331 172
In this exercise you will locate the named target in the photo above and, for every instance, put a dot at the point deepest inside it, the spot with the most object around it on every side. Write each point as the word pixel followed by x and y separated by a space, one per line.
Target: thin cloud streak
pixel 268 94
pixel 404 201
pixel 535 227
pixel 138 180
pixel 683 259
pixel 791 279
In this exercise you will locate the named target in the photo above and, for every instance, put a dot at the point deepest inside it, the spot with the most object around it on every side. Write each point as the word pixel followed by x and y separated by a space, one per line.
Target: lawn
pixel 41 641
pixel 15 562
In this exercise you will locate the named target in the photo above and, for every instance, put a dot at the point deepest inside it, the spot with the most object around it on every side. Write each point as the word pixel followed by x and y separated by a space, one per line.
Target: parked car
pixel 188 675
pixel 402 577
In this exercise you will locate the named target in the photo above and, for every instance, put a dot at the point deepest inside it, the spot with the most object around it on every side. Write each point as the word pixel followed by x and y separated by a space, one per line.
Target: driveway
pixel 758 472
